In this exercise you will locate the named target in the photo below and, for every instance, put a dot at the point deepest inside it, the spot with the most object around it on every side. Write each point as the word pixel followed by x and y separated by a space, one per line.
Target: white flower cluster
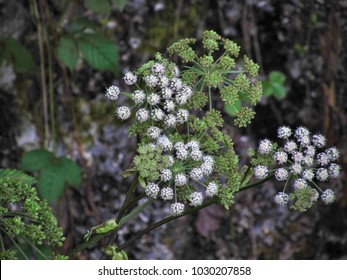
pixel 301 161
pixel 185 164
pixel 161 100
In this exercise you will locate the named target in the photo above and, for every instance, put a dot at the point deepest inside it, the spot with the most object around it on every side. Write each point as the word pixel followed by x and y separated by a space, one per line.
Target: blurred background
pixel 58 56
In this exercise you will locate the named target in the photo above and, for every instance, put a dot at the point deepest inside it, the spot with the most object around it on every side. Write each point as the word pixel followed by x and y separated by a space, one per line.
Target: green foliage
pixel 67 51
pixel 55 172
pixel 104 6
pixel 303 199
pixel 274 85
pixel 12 52
pixel 32 221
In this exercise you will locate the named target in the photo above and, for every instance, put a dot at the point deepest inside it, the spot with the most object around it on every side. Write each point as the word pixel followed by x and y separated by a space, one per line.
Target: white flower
pixel 167 93
pixel 123 113
pixel 299 184
pixel 281 157
pixel 322 174
pixel 212 189
pixel 177 209
pixel 319 140
pixel 180 179
pixel 170 161
pixel 112 92
pixel 304 141
pixel 164 143
pixel 196 154
pixel 328 196
pixel 181 98
pixel 281 198
pixel 182 153
pixel 158 69
pixel 176 84
pixel 284 132
pixel 130 78
pixel 314 195
pixel 333 153
pixel 265 146
pixel 151 81
pixel 334 170
pixel 187 91
pixel 296 168
pixel 138 96
pixel 170 120
pixel 157 114
pixel 310 151
pixel 290 146
pixel 301 132
pixel 193 145
pixel 153 132
pixel 142 115
pixel 208 159
pixel 166 194
pixel 281 174
pixel 176 71
pixel 179 145
pixel 196 199
pixel 164 81
pixel 307 174
pixel 307 161
pixel 298 157
pixel 196 174
pixel 260 171
pixel 152 190
pixel 165 175
pixel 169 105
pixel 206 168
pixel 182 115
pixel 153 99
pixel 323 159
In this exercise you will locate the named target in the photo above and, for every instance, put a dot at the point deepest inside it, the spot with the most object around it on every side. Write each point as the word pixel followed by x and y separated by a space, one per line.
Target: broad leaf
pixel 67 51
pixel 279 91
pixel 120 4
pixel 80 25
pixel 267 88
pixel 36 160
pixel 70 171
pixel 51 183
pixel 99 52
pixel 277 77
pixel 232 109
pixel 98 6
pixel 14 52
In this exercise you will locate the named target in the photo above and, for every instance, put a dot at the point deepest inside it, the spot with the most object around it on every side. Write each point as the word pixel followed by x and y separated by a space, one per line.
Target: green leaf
pixel 279 91
pixel 14 52
pixel 99 52
pixel 120 4
pixel 142 182
pixel 267 88
pixel 13 173
pixel 36 160
pixel 98 6
pixel 67 51
pixel 80 25
pixel 51 183
pixel 277 77
pixel 70 171
pixel 232 109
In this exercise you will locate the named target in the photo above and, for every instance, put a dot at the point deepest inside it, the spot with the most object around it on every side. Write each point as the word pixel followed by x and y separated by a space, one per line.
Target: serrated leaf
pixel 279 91
pixel 67 51
pixel 98 6
pixel 14 173
pixel 36 160
pixel 99 52
pixel 51 183
pixel 120 4
pixel 232 109
pixel 277 77
pixel 15 53
pixel 70 171
pixel 80 25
